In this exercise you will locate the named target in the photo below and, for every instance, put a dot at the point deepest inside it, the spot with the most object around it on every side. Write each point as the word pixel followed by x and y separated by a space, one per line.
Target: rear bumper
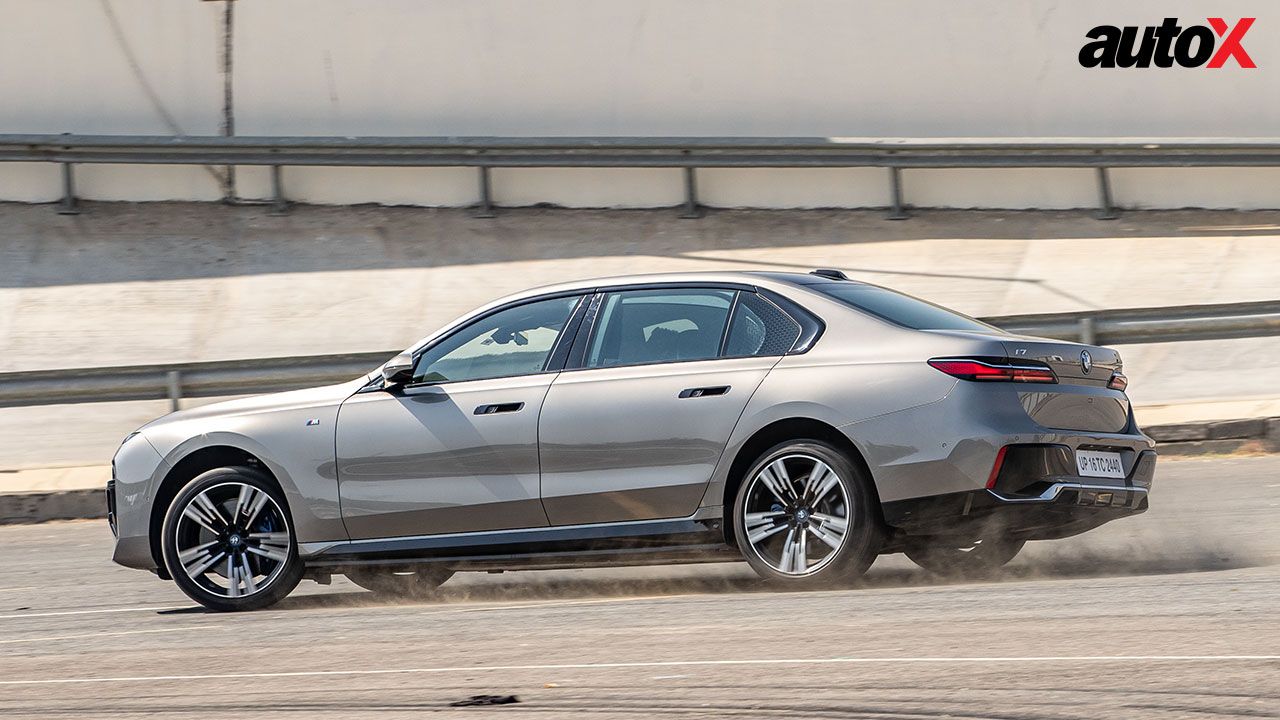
pixel 1085 494
pixel 1030 504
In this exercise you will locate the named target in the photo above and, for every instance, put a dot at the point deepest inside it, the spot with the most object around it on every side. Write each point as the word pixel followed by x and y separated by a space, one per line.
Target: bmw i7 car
pixel 804 423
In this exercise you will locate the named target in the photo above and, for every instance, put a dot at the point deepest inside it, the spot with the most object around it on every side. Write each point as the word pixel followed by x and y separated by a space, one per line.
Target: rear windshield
pixel 898 308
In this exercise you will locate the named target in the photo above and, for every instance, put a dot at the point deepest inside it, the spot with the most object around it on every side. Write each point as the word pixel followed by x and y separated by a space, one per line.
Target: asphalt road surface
pixel 1175 613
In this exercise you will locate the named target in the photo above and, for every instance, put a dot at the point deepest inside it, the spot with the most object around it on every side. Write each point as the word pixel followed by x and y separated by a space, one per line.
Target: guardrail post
pixel 692 211
pixel 1088 331
pixel 1107 209
pixel 174 380
pixel 279 204
pixel 485 208
pixel 895 195
pixel 69 205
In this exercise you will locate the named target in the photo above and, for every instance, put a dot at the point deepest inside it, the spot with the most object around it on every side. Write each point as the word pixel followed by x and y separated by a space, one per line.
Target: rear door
pixel 635 431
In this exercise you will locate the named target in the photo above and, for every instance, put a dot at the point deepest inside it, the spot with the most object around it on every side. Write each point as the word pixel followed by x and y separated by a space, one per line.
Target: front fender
pixel 293 441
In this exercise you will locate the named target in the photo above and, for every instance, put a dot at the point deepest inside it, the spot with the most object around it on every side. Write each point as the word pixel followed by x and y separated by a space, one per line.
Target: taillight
pixel 995 370
pixel 1118 381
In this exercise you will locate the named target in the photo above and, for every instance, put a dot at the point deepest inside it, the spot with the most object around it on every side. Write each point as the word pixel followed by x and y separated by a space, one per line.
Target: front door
pixel 456 449
pixel 636 432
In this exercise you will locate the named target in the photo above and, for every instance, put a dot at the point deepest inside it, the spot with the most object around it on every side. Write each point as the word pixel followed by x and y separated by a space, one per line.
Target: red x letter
pixel 1230 46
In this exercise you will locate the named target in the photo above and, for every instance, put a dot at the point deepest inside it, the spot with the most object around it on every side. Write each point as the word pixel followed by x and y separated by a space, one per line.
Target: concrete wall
pixel 110 67
pixel 642 67
pixel 125 285
pixel 128 284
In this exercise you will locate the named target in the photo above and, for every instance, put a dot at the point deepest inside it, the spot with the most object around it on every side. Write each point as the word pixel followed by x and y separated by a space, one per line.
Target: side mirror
pixel 398 369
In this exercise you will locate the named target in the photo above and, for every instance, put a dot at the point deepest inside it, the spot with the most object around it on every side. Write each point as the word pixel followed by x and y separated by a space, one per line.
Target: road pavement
pixel 1169 614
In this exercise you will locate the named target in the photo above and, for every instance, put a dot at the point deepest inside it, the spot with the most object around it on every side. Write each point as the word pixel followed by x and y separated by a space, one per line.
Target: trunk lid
pixel 1079 401
pixel 1073 363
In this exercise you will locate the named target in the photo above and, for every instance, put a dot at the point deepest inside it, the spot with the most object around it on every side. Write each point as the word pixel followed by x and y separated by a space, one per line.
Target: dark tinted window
pixel 898 308
pixel 515 341
pixel 758 327
pixel 656 326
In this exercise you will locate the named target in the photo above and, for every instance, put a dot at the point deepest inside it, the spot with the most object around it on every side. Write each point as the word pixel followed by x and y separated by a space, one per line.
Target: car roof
pixel 749 277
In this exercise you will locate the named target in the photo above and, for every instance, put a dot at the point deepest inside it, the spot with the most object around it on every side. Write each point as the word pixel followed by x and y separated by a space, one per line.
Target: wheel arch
pixel 192 464
pixel 779 431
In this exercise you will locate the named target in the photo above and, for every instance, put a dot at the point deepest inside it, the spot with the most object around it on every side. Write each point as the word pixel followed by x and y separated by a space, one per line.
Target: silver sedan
pixel 804 423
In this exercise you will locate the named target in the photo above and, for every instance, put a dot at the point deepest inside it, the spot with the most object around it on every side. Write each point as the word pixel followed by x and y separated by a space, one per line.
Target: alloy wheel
pixel 232 540
pixel 796 514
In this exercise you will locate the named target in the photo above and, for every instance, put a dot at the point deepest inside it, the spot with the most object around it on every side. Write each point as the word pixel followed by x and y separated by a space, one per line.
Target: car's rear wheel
pixel 960 557
pixel 227 541
pixel 805 516
pixel 417 582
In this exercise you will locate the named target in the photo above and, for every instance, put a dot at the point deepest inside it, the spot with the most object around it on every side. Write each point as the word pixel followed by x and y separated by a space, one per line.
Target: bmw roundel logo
pixel 1086 361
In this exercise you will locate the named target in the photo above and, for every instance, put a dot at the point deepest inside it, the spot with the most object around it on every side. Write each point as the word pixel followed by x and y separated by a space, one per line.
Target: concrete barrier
pixel 1223 436
pixel 18 508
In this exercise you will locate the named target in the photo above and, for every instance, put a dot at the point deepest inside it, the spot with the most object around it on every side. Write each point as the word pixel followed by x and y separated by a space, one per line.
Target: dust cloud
pixel 1205 516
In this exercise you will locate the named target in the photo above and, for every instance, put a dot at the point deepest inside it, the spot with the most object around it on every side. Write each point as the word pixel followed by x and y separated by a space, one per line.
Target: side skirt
pixel 694 539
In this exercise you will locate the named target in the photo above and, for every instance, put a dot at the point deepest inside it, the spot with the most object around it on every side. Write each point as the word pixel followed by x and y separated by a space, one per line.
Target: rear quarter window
pixel 758 328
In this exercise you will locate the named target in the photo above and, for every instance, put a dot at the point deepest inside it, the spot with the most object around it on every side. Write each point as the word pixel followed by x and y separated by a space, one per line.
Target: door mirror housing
pixel 398 369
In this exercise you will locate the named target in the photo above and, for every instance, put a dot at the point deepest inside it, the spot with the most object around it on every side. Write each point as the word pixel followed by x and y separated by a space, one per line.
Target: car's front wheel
pixel 805 516
pixel 227 541
pixel 960 557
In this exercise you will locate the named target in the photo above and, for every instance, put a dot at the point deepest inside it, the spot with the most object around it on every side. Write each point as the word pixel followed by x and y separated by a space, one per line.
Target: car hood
pixel 307 397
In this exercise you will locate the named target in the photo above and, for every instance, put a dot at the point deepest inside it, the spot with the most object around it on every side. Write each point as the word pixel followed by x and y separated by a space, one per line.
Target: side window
pixel 656 326
pixel 515 341
pixel 759 328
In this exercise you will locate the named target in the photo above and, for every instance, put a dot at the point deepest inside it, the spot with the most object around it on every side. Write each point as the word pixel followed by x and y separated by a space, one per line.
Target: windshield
pixel 900 309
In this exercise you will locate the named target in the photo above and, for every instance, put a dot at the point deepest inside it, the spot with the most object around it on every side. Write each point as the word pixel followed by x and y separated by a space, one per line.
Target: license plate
pixel 1094 463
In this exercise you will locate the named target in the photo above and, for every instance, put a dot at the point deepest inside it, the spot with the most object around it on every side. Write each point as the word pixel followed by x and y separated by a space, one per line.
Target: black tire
pixel 280 575
pixel 957 557
pixel 862 537
pixel 414 583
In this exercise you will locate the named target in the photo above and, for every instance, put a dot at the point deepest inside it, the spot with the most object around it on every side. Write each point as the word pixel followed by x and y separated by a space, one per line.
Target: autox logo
pixel 1164 44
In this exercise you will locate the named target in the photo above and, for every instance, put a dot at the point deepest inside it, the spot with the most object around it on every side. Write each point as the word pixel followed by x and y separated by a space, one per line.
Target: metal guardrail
pixel 178 380
pixel 1150 325
pixel 687 153
pixel 238 377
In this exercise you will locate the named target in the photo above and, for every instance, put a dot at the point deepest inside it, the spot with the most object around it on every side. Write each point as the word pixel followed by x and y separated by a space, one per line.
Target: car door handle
pixel 499 408
pixel 704 391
